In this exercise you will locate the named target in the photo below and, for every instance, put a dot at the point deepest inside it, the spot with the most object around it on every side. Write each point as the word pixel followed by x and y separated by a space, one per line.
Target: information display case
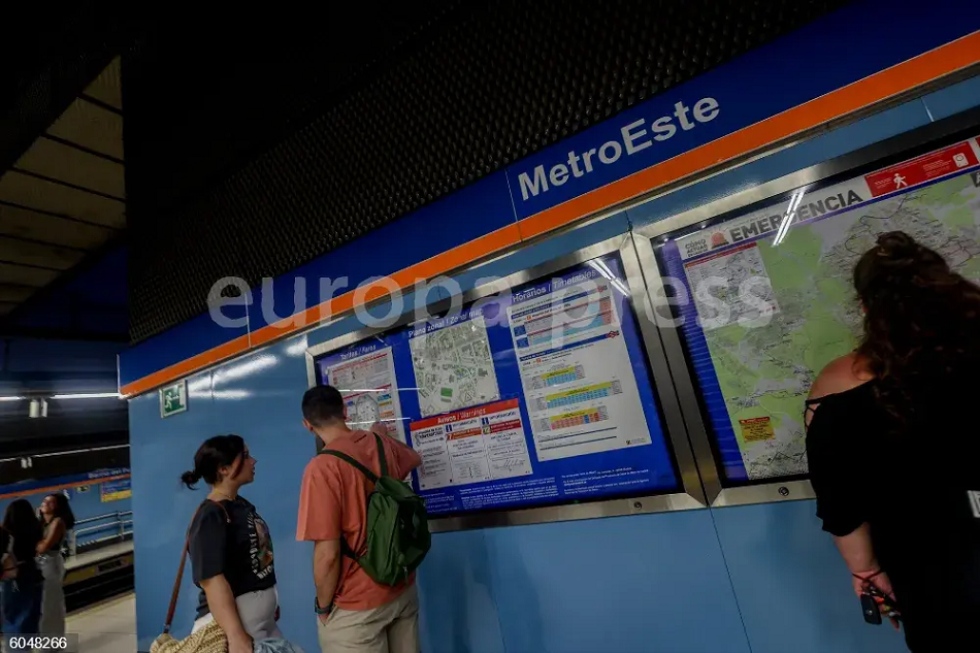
pixel 542 396
pixel 753 293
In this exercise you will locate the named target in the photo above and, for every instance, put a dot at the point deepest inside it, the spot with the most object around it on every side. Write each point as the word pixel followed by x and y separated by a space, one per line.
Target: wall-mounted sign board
pixel 173 399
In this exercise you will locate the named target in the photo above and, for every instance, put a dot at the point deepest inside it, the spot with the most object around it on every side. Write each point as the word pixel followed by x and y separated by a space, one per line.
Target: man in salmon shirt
pixel 355 613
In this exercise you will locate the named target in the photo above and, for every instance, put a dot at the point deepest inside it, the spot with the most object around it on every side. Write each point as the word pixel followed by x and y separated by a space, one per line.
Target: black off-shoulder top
pixel 916 483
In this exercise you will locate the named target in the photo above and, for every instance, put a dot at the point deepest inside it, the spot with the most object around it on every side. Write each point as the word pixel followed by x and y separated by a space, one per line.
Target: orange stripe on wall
pixel 888 83
pixel 188 366
pixel 878 87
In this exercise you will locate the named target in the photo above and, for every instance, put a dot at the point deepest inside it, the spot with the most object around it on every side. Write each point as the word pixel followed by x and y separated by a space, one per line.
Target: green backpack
pixel 397 525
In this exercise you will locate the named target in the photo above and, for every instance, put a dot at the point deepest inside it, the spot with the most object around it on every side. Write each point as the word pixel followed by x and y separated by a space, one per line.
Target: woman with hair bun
pixel 230 548
pixel 893 446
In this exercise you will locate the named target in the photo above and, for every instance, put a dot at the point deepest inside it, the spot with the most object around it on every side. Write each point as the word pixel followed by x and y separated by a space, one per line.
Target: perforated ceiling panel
pixel 254 178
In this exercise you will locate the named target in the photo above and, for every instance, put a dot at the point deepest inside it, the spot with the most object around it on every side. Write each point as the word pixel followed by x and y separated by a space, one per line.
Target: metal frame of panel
pixel 717 494
pixel 692 496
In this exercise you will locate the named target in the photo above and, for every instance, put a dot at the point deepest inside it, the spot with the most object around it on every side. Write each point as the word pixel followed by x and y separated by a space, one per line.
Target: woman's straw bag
pixel 209 639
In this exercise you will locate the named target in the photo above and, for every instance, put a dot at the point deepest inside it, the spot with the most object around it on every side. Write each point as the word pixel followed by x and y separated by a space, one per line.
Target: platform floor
pixel 107 627
pixel 97 555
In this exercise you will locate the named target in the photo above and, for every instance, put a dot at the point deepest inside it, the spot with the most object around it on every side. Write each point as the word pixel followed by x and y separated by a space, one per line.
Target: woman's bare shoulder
pixel 840 375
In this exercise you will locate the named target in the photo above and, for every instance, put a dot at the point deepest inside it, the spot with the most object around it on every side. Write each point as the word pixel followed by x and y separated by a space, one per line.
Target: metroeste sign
pixel 634 137
pixel 760 95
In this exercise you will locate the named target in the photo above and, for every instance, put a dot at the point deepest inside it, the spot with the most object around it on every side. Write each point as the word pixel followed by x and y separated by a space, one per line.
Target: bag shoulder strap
pixel 371 476
pixel 382 459
pixel 183 561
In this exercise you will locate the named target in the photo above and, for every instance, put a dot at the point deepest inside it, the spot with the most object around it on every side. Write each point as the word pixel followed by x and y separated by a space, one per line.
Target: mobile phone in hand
pixel 869 607
pixel 874 603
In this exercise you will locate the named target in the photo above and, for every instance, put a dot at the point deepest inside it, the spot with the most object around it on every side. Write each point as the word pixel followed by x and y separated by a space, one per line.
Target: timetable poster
pixel 365 377
pixel 539 396
pixel 575 370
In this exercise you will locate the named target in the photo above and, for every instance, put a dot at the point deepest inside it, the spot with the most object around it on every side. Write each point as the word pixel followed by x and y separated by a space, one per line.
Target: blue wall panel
pixel 457 582
pixel 160 450
pixel 793 589
pixel 263 406
pixel 954 99
pixel 257 397
pixel 84 505
pixel 522 259
pixel 629 584
pixel 89 504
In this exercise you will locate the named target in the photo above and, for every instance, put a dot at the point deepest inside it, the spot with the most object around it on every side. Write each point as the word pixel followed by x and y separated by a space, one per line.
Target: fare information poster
pixel 538 396
pixel 366 379
pixel 472 446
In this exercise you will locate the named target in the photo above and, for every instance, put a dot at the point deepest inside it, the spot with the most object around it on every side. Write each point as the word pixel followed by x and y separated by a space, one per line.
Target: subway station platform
pixel 106 627
pixel 97 575
pixel 98 556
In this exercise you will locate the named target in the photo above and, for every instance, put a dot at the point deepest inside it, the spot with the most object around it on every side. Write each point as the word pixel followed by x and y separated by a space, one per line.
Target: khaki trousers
pixel 392 628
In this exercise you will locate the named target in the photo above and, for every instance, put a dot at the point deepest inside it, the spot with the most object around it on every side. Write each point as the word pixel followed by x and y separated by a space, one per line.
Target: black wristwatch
pixel 319 610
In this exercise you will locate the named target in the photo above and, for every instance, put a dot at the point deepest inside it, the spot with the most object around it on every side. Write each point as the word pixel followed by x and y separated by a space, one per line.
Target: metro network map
pixel 765 372
pixel 454 367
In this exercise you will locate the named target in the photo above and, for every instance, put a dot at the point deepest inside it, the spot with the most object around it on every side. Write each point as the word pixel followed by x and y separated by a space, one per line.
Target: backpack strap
pixel 382 459
pixel 371 476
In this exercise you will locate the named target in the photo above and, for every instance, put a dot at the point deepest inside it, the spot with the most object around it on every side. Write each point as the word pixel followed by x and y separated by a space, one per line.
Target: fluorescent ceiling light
pixel 91 395
pixel 12 398
pixel 77 451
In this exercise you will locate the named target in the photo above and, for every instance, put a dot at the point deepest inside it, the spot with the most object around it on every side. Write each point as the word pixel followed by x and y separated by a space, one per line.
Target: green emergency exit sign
pixel 173 399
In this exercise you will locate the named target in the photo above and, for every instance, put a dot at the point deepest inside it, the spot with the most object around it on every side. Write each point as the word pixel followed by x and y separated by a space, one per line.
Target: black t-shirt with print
pixel 234 542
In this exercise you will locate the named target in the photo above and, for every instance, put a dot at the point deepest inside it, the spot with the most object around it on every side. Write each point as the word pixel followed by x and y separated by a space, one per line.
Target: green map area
pixel 765 372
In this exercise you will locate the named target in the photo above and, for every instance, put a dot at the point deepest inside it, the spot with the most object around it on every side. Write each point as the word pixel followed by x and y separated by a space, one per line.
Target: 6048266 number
pixel 44 642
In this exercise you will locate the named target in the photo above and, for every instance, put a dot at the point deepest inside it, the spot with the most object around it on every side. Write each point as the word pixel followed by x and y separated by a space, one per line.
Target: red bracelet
pixel 867 578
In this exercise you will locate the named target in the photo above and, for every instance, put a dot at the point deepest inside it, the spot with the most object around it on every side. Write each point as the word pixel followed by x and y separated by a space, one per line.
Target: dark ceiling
pixel 65 197
pixel 62 179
